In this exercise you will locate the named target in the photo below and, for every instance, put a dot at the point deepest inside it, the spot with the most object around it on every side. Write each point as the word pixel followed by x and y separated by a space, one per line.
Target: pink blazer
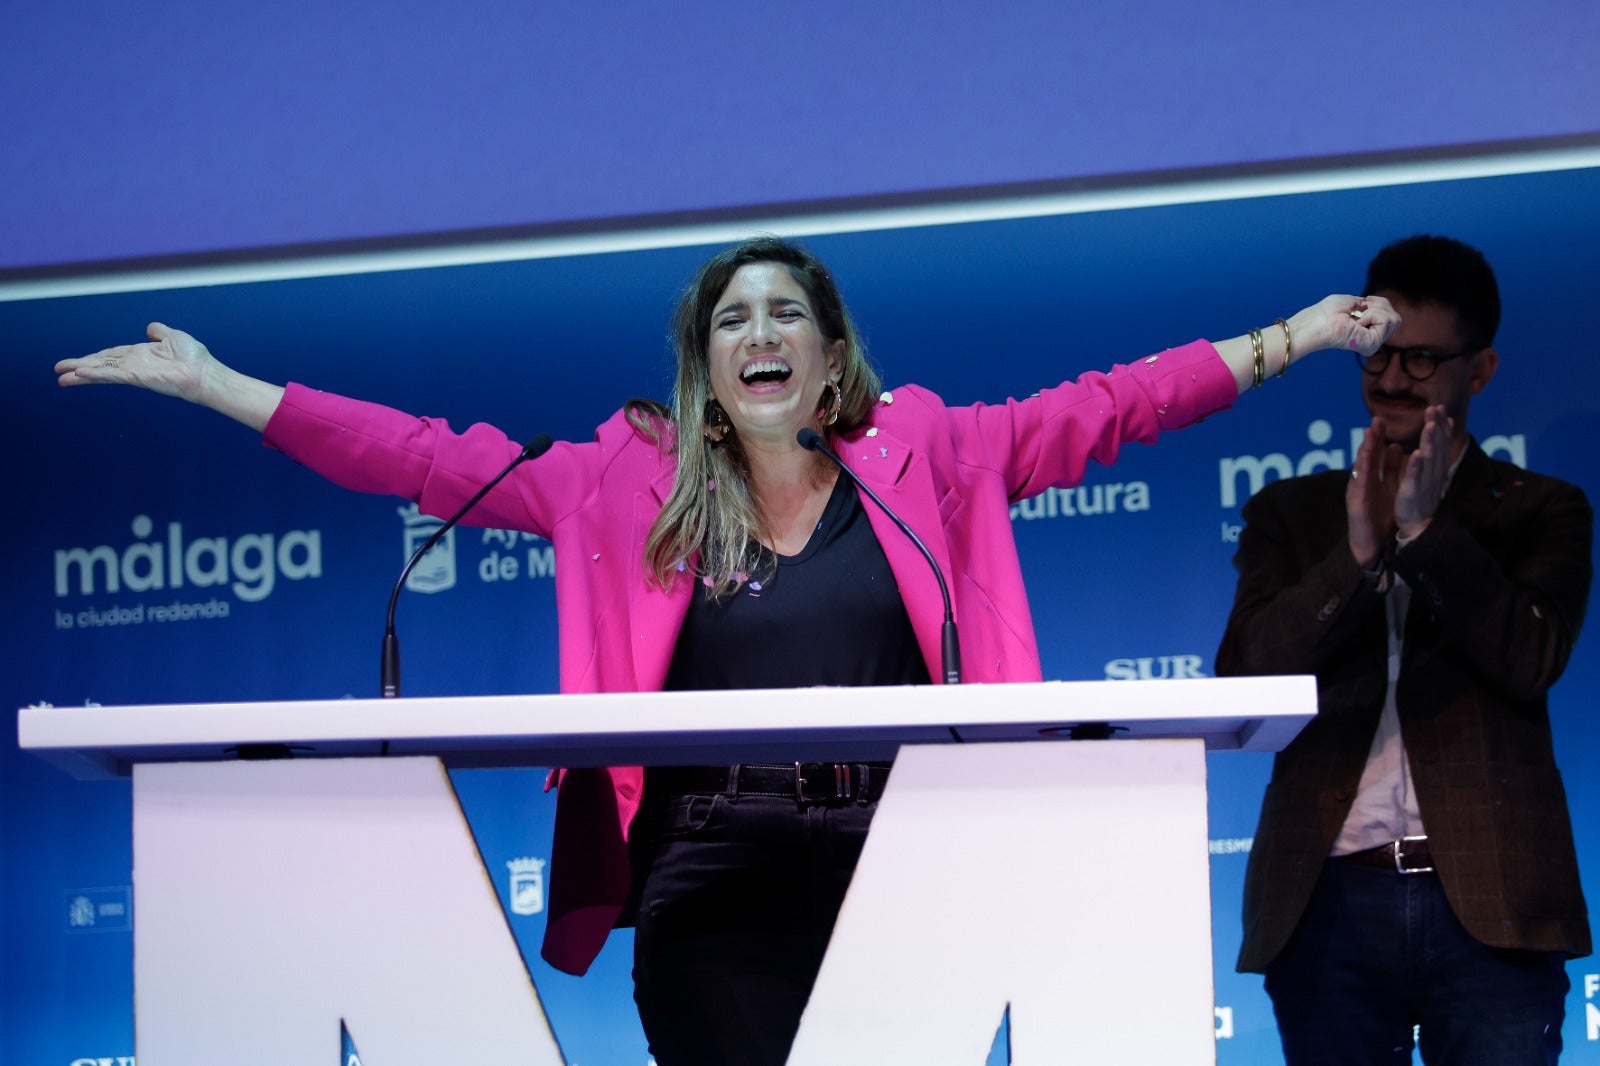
pixel 950 472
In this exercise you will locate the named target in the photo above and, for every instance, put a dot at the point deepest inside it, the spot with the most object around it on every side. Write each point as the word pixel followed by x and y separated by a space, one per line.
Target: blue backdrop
pixel 137 130
pixel 283 578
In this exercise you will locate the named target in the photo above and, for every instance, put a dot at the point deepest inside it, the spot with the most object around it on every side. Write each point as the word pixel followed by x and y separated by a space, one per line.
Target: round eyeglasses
pixel 1418 361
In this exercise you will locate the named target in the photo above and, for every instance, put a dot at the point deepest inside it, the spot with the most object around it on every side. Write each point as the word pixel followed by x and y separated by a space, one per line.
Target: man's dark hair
pixel 1446 272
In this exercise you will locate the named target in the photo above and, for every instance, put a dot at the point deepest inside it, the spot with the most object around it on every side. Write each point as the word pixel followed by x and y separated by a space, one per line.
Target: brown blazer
pixel 1499 580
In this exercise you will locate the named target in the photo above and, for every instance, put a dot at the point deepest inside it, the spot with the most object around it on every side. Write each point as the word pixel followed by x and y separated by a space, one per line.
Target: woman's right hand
pixel 173 363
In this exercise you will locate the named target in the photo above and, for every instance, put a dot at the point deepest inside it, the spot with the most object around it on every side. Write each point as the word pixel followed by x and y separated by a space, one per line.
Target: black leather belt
pixel 1408 855
pixel 813 781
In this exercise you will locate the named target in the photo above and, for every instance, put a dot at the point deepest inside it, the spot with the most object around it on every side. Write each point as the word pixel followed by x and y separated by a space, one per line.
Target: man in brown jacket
pixel 1414 863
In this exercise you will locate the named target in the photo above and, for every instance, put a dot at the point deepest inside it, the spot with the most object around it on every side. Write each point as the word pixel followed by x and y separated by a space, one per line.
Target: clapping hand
pixel 1392 493
pixel 1427 474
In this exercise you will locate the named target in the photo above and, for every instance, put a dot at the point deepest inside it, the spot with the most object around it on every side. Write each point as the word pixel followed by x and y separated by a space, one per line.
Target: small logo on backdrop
pixel 1154 667
pixel 501 563
pixel 527 885
pixel 160 567
pixel 80 912
pixel 348 1055
pixel 435 571
pixel 104 1060
pixel 1591 1011
pixel 100 910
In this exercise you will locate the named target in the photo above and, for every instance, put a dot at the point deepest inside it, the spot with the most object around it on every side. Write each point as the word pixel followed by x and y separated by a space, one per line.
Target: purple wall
pixel 167 129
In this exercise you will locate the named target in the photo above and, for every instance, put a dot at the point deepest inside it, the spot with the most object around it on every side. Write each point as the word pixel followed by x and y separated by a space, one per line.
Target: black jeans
pixel 735 910
pixel 1379 951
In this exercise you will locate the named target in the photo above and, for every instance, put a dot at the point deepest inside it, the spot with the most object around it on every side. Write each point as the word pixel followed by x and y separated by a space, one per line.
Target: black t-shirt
pixel 831 615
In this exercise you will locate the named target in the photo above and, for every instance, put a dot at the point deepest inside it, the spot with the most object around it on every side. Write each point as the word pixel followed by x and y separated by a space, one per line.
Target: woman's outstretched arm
pixel 1353 323
pixel 173 363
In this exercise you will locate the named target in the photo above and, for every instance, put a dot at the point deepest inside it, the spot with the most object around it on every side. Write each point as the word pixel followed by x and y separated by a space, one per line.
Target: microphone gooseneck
pixel 950 649
pixel 389 669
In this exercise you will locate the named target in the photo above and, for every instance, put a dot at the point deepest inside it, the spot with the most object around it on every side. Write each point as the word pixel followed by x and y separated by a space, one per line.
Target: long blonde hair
pixel 711 519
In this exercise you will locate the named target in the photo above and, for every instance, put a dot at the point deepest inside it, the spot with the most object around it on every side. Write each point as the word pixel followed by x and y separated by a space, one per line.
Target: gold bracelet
pixel 1288 348
pixel 1259 349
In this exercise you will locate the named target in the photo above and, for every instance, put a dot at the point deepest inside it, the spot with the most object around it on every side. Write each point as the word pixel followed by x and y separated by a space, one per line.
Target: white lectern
pixel 1008 864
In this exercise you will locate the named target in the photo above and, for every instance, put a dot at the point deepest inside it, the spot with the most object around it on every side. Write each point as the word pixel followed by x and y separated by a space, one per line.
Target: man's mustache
pixel 1400 397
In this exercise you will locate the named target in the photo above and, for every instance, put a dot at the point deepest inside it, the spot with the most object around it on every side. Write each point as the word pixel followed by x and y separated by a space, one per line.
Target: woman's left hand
pixel 1354 323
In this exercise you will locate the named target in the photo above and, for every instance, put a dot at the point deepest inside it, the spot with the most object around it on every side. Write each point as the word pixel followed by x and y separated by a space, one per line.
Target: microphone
pixel 389 671
pixel 811 440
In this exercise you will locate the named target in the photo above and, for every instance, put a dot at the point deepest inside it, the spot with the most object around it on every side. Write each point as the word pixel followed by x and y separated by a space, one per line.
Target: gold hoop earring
pixel 830 408
pixel 716 424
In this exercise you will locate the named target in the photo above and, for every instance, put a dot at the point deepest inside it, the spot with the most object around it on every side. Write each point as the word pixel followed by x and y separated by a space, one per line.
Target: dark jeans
pixel 1378 952
pixel 734 915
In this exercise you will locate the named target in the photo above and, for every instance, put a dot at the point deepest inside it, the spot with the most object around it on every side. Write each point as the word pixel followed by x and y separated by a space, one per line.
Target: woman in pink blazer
pixel 697 538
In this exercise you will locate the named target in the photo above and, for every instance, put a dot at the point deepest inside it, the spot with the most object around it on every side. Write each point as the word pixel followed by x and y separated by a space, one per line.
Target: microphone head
pixel 809 439
pixel 537 446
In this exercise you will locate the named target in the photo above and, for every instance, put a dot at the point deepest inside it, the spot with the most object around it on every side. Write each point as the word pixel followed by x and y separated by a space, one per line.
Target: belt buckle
pixel 1399 856
pixel 843 783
